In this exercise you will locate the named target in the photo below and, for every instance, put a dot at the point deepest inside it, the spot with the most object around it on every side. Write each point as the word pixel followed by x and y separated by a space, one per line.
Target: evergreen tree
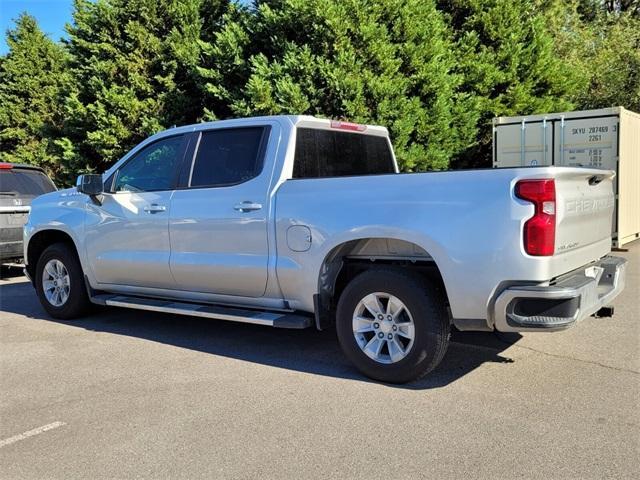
pixel 600 40
pixel 510 65
pixel 387 62
pixel 33 76
pixel 632 7
pixel 611 54
pixel 134 63
pixel 434 76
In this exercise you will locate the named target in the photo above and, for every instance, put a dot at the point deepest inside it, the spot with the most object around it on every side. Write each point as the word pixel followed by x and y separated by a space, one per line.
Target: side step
pixel 258 317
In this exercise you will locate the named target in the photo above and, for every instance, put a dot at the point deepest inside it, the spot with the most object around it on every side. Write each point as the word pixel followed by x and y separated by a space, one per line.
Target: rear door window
pixel 327 153
pixel 229 156
pixel 24 182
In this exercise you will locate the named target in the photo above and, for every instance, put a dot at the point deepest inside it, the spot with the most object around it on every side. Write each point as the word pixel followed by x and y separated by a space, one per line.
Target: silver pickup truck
pixel 294 221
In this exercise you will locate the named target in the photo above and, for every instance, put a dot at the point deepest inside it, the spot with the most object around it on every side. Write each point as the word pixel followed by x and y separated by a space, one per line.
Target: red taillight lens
pixel 5 166
pixel 540 230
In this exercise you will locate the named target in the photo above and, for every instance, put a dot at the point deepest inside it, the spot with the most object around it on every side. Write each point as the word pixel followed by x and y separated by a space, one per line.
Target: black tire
pixel 426 302
pixel 77 303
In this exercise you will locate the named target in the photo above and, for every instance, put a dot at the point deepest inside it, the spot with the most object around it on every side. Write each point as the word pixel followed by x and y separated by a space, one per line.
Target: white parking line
pixel 30 433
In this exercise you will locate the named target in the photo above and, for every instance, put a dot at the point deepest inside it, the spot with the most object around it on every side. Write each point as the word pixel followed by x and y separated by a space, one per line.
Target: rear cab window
pixel 332 153
pixel 24 182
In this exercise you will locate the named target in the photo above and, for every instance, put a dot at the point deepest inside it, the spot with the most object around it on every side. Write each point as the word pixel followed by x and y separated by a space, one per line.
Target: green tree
pixel 612 56
pixel 508 59
pixel 600 40
pixel 592 8
pixel 134 64
pixel 33 77
pixel 387 62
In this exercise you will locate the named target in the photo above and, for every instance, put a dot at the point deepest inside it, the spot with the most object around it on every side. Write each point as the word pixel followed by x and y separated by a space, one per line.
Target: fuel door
pixel 299 238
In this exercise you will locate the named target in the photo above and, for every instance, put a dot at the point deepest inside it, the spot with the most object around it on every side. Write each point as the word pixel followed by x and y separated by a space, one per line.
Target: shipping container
pixel 608 138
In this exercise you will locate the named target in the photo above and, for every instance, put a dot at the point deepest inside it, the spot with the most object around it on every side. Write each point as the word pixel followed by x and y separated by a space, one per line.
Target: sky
pixel 50 14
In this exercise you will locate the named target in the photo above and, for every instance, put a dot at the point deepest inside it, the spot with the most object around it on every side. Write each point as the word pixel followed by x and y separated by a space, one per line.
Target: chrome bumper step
pixel 257 317
pixel 573 297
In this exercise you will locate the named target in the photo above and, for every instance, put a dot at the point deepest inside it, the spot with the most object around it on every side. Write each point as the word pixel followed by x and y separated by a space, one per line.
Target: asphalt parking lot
pixel 127 394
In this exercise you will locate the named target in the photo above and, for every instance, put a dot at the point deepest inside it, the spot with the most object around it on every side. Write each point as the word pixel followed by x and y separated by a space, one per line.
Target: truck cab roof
pixel 307 121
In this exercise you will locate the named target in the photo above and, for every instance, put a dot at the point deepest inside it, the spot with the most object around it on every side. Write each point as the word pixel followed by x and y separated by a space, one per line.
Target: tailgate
pixel 584 207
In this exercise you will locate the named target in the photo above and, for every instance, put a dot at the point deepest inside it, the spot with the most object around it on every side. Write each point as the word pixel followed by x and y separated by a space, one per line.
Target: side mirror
pixel 90 184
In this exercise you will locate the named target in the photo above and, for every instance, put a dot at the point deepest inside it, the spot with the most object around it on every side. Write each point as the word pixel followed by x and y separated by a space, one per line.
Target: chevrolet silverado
pixel 294 221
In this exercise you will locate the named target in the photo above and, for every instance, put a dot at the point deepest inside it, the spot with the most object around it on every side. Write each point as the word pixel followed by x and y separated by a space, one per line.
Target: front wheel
pixel 60 283
pixel 393 324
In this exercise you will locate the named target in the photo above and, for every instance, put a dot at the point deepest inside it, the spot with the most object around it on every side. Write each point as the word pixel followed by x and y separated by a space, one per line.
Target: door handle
pixel 247 206
pixel 155 208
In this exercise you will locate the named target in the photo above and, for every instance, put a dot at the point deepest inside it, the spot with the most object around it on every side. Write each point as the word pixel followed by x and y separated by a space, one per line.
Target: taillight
pixel 540 230
pixel 5 166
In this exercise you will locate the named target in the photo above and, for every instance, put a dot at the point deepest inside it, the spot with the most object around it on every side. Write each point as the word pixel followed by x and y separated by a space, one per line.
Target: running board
pixel 258 317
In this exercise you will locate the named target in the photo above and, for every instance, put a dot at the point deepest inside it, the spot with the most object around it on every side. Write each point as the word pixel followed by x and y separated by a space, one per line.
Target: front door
pixel 127 236
pixel 218 222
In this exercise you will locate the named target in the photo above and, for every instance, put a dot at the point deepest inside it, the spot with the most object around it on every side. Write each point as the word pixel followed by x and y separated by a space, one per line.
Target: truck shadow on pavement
pixel 306 351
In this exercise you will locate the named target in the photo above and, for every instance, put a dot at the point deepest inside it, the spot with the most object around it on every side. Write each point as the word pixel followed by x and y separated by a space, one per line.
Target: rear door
pixel 526 144
pixel 219 220
pixel 587 142
pixel 18 187
pixel 127 236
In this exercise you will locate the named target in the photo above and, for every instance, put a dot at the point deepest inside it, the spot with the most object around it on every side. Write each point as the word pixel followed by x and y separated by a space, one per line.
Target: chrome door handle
pixel 155 208
pixel 247 207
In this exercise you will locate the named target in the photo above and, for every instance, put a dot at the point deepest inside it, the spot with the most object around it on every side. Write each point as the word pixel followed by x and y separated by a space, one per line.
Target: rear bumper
pixel 571 298
pixel 11 235
pixel 11 250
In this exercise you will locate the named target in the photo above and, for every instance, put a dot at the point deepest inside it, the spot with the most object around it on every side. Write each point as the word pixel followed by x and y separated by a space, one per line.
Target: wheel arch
pixel 349 258
pixel 39 242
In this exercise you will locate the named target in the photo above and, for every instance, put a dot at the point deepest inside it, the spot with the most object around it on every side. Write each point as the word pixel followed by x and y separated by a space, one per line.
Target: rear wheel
pixel 60 283
pixel 393 324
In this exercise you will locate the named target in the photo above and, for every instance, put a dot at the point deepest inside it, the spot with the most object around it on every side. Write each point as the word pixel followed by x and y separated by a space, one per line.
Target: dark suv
pixel 19 185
